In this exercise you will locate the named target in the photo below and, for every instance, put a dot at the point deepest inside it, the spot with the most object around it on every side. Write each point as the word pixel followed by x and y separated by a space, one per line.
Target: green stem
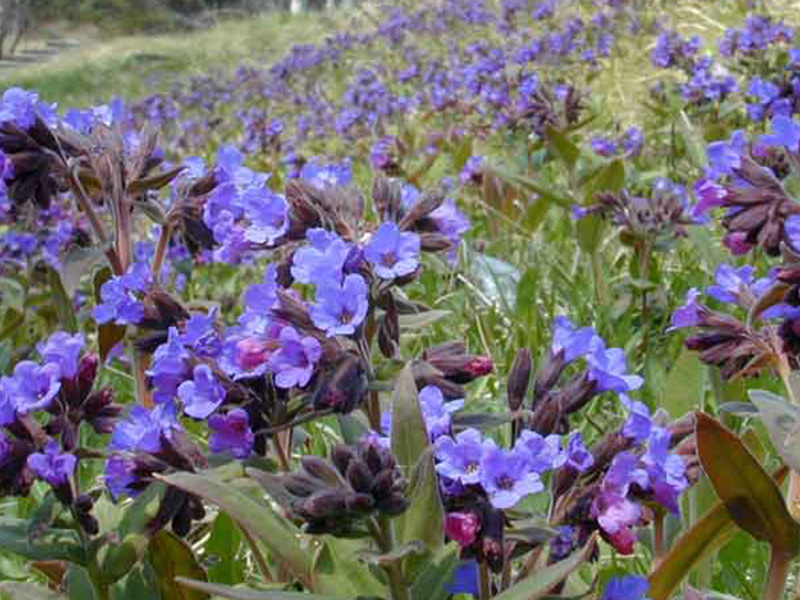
pixel 102 590
pixel 383 533
pixel 779 564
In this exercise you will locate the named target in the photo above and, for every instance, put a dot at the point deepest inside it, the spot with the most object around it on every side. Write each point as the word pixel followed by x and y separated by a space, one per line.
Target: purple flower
pixel 506 479
pixel 34 387
pixel 629 587
pixel 202 396
pixel 436 411
pixel 268 214
pixel 259 300
pixel 55 468
pixel 785 132
pixel 119 303
pixel 169 368
pixel 574 342
pixel 604 146
pixel 666 472
pixel 460 460
pixel 639 424
pixel 472 171
pixel 541 453
pixel 612 509
pixel 608 366
pixel 339 309
pixel 323 176
pixel 19 107
pixel 723 157
pixel 201 335
pixel 321 262
pixel 450 222
pixel 464 579
pixel 730 283
pixel 687 315
pixel 293 362
pixel 393 253
pixel 119 477
pixel 791 228
pixel 64 350
pixel 8 411
pixel 142 429
pixel 231 433
pixel 710 195
pixel 578 456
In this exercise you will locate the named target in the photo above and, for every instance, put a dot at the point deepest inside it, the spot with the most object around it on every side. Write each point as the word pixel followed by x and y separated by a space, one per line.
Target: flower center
pixel 390 259
pixel 504 482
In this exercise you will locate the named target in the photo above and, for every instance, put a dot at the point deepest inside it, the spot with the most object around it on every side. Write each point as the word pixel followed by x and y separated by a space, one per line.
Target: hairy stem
pixel 383 533
pixel 779 564
pixel 484 578
pixel 659 541
pixel 143 397
pixel 161 251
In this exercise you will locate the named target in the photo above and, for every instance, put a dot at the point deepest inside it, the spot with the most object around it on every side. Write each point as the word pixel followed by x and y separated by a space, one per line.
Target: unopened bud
pixel 519 378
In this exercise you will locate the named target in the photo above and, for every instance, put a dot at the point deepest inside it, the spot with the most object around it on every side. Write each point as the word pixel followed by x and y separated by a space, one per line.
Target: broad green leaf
pixel 75 263
pixel 170 557
pixel 337 570
pixel 62 302
pixel 707 535
pixel 225 591
pixel 140 584
pixel 12 294
pixel 782 421
pixel 751 496
pixel 223 547
pixel 424 519
pixel 256 517
pixel 57 544
pixel 79 584
pixel 611 178
pixel 712 531
pixel 421 320
pixel 562 147
pixel 17 590
pixel 430 582
pixel 685 383
pixel 538 584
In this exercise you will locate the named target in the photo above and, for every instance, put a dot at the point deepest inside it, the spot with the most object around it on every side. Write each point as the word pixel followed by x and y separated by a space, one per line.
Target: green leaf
pixel 695 146
pixel 57 544
pixel 225 591
pixel 537 188
pixel 421 320
pixel 79 584
pixel 539 584
pixel 685 384
pixel 706 536
pixel 14 590
pixel 562 147
pixel 75 263
pixel 709 533
pixel 430 583
pixel 12 294
pixel 337 570
pixel 782 420
pixel 256 517
pixel 424 519
pixel 62 302
pixel 223 546
pixel 611 178
pixel 170 557
pixel 751 496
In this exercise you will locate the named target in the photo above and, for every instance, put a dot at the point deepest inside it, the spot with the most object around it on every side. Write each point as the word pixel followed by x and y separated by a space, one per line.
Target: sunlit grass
pixel 133 66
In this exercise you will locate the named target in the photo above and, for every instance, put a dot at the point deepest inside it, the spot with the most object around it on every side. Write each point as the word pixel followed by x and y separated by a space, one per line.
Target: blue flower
pixel 52 466
pixel 506 479
pixel 731 283
pixel 231 433
pixel 169 367
pixel 393 253
pixel 688 315
pixel 725 156
pixel 574 342
pixel 203 395
pixel 607 368
pixel 34 387
pixel 436 412
pixel 268 214
pixel 460 460
pixel 785 132
pixel 464 579
pixel 639 423
pixel 142 429
pixel 64 350
pixel 293 363
pixel 339 309
pixel 541 453
pixel 323 260
pixel 628 587
pixel 578 456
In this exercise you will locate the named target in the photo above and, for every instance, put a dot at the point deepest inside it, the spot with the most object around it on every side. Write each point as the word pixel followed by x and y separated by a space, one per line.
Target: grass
pixel 133 66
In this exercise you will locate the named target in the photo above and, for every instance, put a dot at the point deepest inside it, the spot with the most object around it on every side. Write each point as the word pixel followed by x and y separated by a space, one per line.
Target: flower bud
pixel 321 469
pixel 359 476
pixel 324 504
pixel 461 527
pixel 519 378
pixel 341 455
pixel 87 372
pixel 344 388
